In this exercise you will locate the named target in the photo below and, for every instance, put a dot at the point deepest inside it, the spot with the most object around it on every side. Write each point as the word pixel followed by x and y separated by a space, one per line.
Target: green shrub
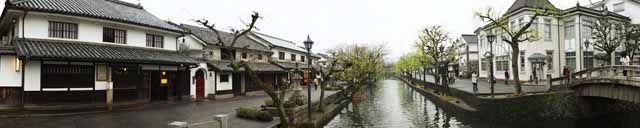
pixel 269 102
pixel 253 114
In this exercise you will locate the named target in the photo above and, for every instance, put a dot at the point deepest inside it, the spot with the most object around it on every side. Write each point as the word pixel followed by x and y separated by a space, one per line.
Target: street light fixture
pixel 307 45
pixel 491 37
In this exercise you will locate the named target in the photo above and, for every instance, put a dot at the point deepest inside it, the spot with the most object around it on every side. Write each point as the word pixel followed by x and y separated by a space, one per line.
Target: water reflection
pixel 391 104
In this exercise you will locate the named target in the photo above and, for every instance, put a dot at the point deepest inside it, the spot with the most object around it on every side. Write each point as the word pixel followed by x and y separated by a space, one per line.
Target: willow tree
pixel 515 34
pixel 276 96
pixel 406 63
pixel 366 64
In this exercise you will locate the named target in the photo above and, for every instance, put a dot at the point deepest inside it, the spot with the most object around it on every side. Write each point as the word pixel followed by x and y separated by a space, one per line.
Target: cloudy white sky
pixel 331 23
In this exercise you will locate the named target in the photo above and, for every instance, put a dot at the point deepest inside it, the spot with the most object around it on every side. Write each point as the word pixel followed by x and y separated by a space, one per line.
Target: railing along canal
pixel 615 73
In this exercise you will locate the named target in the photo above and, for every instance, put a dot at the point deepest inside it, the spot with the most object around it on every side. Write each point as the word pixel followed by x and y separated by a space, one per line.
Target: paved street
pixel 153 117
pixel 484 87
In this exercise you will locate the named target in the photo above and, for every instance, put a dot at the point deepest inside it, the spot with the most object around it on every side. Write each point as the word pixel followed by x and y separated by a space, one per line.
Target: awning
pixel 56 50
pixel 537 58
pixel 256 66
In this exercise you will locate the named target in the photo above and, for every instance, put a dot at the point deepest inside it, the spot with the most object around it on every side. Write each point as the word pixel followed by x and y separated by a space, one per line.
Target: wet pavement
pixel 484 87
pixel 154 117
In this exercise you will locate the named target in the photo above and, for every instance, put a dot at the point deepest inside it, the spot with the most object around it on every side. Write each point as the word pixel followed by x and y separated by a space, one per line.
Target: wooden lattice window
pixel 114 35
pixel 156 41
pixel 67 76
pixel 63 30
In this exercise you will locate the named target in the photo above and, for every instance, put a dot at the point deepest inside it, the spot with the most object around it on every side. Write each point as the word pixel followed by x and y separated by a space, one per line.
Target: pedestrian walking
pixel 625 62
pixel 535 75
pixel 566 73
pixel 474 81
pixel 506 75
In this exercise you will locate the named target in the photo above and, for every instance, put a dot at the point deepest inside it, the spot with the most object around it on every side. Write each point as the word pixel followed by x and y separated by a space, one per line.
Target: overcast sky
pixel 331 23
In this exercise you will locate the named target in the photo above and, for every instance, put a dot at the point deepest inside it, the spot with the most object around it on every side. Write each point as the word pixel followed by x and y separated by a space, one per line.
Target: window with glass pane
pixel 571 60
pixel 63 30
pixel 588 59
pixel 522 61
pixel 156 41
pixel 547 29
pixel 114 35
pixel 281 55
pixel 302 58
pixel 587 29
pixel 569 30
pixel 550 60
pixel 293 57
pixel 618 7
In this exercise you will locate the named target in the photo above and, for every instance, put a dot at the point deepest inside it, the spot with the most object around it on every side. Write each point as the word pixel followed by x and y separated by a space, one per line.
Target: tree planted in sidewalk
pixel 515 34
pixel 277 97
pixel 435 48
pixel 607 35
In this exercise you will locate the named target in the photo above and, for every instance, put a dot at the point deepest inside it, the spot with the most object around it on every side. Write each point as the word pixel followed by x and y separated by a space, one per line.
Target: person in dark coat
pixel 506 75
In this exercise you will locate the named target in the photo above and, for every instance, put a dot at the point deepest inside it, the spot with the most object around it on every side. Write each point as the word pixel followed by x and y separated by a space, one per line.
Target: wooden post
pixel 109 90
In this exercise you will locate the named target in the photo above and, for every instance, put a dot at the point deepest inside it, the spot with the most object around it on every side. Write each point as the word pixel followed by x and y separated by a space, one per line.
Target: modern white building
pixel 564 41
pixel 72 51
pixel 629 8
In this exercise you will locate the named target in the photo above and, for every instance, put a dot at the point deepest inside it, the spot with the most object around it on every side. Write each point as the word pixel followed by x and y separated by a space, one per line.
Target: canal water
pixel 392 104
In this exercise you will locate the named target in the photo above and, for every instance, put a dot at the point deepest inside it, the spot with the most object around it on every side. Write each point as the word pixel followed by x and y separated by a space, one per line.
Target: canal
pixel 392 104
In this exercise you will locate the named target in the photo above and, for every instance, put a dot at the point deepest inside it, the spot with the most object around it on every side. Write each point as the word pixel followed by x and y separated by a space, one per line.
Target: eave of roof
pixel 43 49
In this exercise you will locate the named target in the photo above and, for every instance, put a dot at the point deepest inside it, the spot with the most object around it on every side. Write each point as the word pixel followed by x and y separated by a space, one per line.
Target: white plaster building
pixel 561 43
pixel 72 52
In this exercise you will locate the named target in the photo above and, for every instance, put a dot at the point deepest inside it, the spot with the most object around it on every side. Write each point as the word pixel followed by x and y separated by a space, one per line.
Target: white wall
pixel 226 85
pixel 32 75
pixel 8 75
pixel 287 55
pixel 208 80
pixel 90 30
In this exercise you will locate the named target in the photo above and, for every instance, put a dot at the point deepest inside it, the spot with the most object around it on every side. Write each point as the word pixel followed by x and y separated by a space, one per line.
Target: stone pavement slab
pixel 154 117
pixel 484 87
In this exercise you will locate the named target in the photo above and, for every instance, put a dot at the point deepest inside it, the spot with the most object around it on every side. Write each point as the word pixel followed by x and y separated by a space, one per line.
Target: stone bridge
pixel 605 82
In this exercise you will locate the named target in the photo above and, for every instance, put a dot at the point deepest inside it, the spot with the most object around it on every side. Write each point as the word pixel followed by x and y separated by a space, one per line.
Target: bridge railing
pixel 613 72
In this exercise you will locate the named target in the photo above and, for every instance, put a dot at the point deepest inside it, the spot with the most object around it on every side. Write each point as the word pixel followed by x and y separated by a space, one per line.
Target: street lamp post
pixel 308 44
pixel 491 37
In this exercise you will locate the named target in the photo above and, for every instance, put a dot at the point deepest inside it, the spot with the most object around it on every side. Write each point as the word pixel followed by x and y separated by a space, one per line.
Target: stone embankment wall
pixel 561 105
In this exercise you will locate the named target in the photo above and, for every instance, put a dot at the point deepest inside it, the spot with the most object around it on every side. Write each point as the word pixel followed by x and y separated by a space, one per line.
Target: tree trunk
pixel 514 67
pixel 320 102
pixel 612 57
pixel 284 119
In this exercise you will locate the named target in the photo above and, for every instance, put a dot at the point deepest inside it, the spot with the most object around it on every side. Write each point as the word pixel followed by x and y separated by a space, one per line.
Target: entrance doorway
pixel 199 84
pixel 158 91
pixel 236 84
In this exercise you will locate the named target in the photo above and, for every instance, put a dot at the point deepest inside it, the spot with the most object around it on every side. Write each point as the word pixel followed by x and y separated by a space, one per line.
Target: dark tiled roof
pixel 256 66
pixel 279 42
pixel 7 50
pixel 530 4
pixel 469 38
pixel 93 52
pixel 210 37
pixel 594 12
pixel 104 9
pixel 290 65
